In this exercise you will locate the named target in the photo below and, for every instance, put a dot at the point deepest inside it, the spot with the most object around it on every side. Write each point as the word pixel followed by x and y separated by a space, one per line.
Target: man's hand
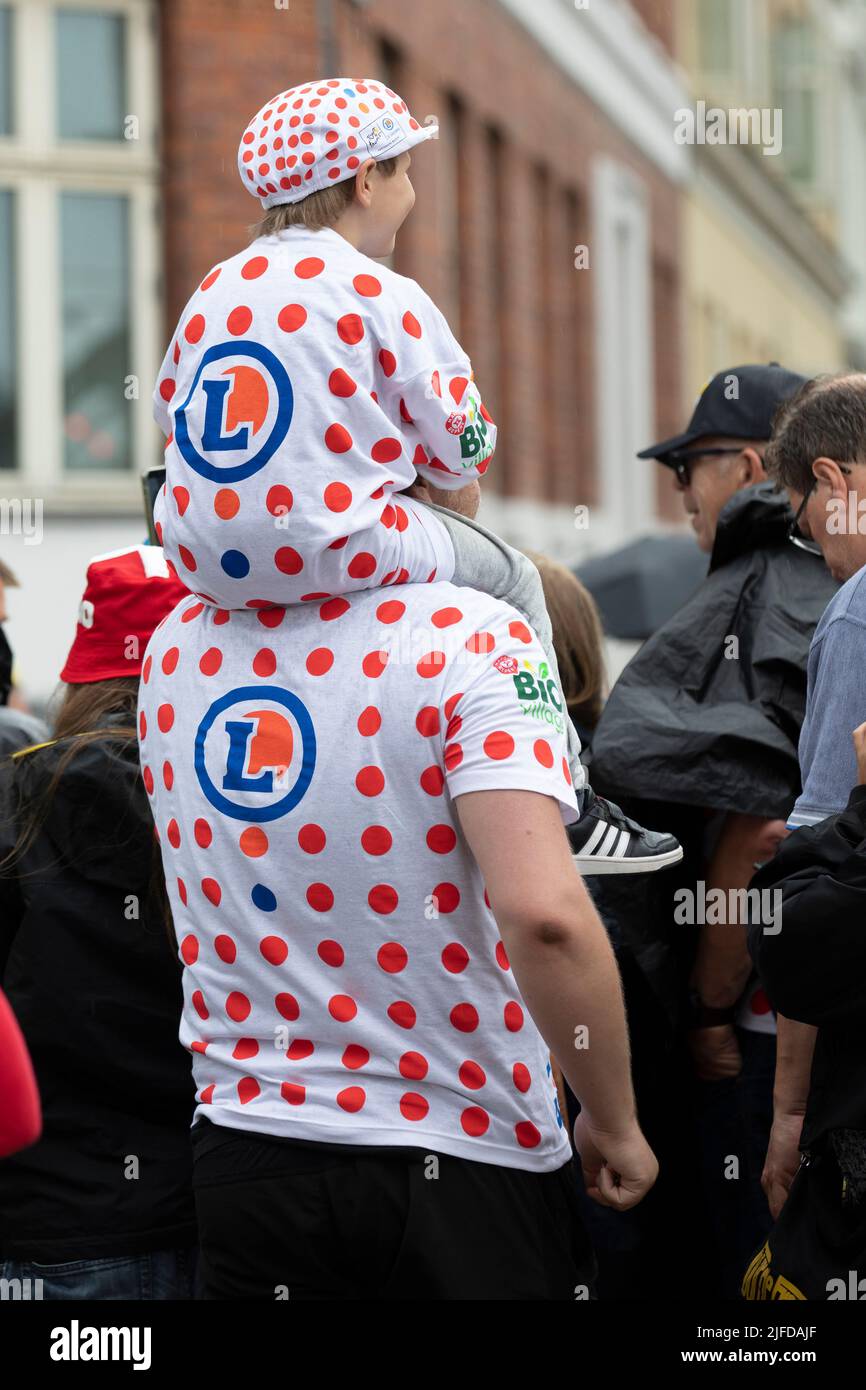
pixel 782 1161
pixel 859 737
pixel 715 1052
pixel 618 1169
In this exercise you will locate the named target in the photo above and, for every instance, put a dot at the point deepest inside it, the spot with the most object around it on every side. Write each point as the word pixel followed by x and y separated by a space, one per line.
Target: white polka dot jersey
pixel 344 980
pixel 307 381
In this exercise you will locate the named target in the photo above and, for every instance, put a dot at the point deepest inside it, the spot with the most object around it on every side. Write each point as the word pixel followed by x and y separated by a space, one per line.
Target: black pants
pixel 281 1219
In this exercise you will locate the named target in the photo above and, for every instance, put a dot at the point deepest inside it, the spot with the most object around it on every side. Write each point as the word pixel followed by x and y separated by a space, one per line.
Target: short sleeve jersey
pixel 344 979
pixel 305 379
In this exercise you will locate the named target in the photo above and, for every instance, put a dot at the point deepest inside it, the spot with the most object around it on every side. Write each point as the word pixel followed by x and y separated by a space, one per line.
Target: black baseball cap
pixel 744 413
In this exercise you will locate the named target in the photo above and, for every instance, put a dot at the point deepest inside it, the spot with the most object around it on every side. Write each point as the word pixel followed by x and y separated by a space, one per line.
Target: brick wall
pixel 502 198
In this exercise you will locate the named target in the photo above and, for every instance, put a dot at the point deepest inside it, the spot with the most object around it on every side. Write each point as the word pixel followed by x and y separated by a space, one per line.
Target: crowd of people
pixel 359 944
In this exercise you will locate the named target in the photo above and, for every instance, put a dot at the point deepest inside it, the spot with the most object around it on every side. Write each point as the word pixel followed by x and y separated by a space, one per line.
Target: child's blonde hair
pixel 318 210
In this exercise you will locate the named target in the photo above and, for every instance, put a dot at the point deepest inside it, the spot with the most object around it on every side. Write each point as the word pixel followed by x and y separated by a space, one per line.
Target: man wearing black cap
pixel 699 737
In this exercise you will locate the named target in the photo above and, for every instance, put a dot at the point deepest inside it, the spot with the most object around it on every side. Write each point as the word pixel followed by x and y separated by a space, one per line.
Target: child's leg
pixel 484 561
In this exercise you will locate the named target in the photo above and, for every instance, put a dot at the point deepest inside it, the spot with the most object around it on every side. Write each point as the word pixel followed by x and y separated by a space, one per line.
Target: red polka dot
pixel 352 1099
pixel 411 325
pixel 386 450
pixel 431 664
pixel 455 958
pixel 513 1015
pixel 331 952
pixel 194 329
pixel 464 1017
pixel 255 267
pixel 165 717
pixel 299 1049
pixel 376 839
pixel 369 721
pixel 341 384
pixel 342 1008
pixel 413 1066
pixel 264 662
pixel 226 503
pixel 334 608
pixel 433 781
pixel 362 565
pixel 447 897
pixel 392 957
pixel 475 1121
pixel 225 949
pixel 472 1076
pixel 543 752
pixel 521 1076
pixel 199 1005
pixel 274 949
pixel 528 1136
pixel 383 898
pixel 520 631
pixel 446 617
pixel 248 1089
pixel 181 497
pixel 441 839
pixel 374 664
pixel 173 834
pixel 320 661
pixel 427 721
pixel 312 839
pixel 211 661
pixel 254 842
pixel 391 611
pixel 349 327
pixel 279 500
pixel 502 957
pixel 413 1107
pixel 189 950
pixel 147 778
pixel 238 1006
pixel 239 320
pixel 320 897
pixel 339 441
pixel 370 781
pixel 292 1093
pixel 288 561
pixel 402 1013
pixel 245 1048
pixel 480 643
pixel 291 318
pixel 337 496
pixel 355 1056
pixel 210 279
pixel 287 1006
pixel 387 361
pixel 367 285
pixel 187 558
pixel 203 833
pixel 170 660
pixel 309 267
pixel 499 745
pixel 212 891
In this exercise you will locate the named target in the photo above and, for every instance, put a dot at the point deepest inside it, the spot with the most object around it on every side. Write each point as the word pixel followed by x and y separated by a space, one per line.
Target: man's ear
pixel 752 466
pixel 827 471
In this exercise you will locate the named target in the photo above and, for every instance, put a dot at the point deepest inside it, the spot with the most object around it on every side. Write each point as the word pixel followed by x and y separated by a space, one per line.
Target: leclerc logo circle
pixel 237 411
pixel 255 752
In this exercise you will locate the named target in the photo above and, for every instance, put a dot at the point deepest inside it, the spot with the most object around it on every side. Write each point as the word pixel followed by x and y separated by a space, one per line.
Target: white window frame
pixel 625 375
pixel 37 166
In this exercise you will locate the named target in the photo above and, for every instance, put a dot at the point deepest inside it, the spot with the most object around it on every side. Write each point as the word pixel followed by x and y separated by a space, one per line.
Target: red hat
pixel 128 593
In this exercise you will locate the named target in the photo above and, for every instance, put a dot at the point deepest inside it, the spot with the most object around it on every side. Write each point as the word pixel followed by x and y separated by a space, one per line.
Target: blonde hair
pixel 578 640
pixel 317 210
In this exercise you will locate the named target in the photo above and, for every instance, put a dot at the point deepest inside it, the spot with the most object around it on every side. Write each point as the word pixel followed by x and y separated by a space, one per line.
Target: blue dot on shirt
pixel 235 564
pixel 263 898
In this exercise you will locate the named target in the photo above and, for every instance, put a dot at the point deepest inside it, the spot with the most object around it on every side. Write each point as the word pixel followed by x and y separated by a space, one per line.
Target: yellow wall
pixel 742 306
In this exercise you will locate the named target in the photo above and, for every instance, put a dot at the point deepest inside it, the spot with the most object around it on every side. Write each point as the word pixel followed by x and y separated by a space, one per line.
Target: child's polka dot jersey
pixel 305 379
pixel 344 979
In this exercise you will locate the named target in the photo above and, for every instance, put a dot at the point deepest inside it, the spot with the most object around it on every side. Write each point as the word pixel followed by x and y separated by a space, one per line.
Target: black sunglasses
pixel 794 535
pixel 682 459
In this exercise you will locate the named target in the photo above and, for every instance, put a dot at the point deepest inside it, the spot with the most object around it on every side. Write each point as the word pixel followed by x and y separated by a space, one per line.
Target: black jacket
pixel 698 720
pixel 699 723
pixel 94 983
pixel 814 968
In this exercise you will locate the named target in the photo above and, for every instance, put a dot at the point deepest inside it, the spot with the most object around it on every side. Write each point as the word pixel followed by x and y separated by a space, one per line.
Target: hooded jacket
pixel 813 969
pixel 706 718
pixel 89 970
pixel 708 712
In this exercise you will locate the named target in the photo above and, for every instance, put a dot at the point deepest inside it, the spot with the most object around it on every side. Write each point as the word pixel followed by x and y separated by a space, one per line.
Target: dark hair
pixel 81 722
pixel 826 416
pixel 577 639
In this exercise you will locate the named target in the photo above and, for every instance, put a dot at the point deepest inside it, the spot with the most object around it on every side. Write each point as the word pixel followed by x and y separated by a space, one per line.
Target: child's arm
pixel 429 386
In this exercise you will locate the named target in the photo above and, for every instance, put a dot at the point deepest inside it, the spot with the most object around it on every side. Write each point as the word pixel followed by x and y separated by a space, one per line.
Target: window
pixel 795 78
pixel 716 36
pixel 79 316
